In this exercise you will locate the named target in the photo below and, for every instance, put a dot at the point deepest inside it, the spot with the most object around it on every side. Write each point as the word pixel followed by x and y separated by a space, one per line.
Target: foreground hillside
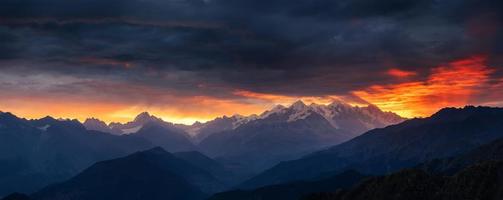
pixel 154 174
pixel 329 187
pixel 481 181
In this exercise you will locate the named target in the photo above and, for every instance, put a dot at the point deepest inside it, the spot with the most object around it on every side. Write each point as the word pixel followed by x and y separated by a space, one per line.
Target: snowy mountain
pixel 135 125
pixel 151 128
pixel 449 132
pixel 284 133
pixel 356 120
pixel 339 114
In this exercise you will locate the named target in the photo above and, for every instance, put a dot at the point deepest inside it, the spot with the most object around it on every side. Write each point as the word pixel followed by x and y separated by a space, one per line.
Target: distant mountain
pixel 201 131
pixel 354 119
pixel 153 174
pixel 166 136
pixel 34 153
pixel 160 133
pixel 294 190
pixel 447 133
pixel 262 143
pixel 285 133
pixel 341 115
pixel 481 181
pixel 134 126
pixel 98 125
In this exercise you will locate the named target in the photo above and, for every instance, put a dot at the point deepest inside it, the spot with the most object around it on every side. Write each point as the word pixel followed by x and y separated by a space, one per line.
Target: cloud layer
pixel 195 59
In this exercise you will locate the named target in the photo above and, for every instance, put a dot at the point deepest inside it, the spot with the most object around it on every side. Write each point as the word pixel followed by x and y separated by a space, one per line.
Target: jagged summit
pixel 339 114
pixel 337 102
pixel 97 125
pixel 298 105
pixel 154 151
pixel 48 118
pixel 145 117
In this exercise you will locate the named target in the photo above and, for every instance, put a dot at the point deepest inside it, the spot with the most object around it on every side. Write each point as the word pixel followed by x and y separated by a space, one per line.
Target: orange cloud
pixel 454 84
pixel 401 73
pixel 457 83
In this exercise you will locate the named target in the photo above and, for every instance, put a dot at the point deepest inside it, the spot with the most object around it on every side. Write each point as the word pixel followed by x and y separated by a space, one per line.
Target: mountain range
pixel 286 133
pixel 349 184
pixel 44 151
pixel 434 157
pixel 282 133
pixel 339 114
pixel 475 174
pixel 34 153
pixel 449 132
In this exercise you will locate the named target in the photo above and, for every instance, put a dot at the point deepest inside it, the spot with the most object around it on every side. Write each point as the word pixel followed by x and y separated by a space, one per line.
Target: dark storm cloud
pixel 289 47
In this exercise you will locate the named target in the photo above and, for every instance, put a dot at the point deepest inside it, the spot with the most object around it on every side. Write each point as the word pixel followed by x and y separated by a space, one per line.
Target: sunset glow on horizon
pixel 187 61
pixel 455 84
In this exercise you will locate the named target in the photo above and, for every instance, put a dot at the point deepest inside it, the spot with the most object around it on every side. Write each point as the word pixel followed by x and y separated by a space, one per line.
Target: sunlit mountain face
pixel 195 60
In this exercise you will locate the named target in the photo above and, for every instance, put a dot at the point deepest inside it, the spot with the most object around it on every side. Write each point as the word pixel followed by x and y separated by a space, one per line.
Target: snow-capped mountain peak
pixel 96 125
pixel 276 109
pixel 145 117
pixel 339 114
pixel 299 106
pixel 239 120
pixel 134 126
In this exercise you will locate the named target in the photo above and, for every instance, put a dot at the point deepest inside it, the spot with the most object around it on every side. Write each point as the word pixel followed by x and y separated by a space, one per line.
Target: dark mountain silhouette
pixel 481 181
pixel 153 174
pixel 17 196
pixel 329 186
pixel 294 190
pixel 34 153
pixel 223 173
pixel 447 133
pixel 202 161
pixel 450 166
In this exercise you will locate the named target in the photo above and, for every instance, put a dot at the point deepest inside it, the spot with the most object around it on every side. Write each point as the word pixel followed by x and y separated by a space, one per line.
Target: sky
pixel 194 60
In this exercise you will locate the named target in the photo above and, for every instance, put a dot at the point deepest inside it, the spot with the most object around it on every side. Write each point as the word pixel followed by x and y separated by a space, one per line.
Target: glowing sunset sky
pixel 189 60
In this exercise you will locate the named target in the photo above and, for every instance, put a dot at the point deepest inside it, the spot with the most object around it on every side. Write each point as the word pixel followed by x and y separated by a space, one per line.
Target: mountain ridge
pixel 367 117
pixel 398 146
pixel 149 174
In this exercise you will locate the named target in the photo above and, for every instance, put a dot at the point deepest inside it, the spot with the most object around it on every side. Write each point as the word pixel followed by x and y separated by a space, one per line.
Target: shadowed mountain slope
pixel 447 133
pixel 152 174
